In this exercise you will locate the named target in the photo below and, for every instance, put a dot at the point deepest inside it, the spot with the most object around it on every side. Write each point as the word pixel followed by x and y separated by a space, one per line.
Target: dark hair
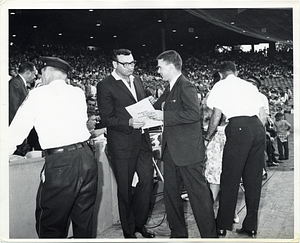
pixel 26 66
pixel 173 57
pixel 119 52
pixel 279 114
pixel 216 77
pixel 90 98
pixel 226 66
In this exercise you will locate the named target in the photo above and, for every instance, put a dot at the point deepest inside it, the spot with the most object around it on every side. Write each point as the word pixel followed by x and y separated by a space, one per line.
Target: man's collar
pixel 23 80
pixel 172 82
pixel 117 77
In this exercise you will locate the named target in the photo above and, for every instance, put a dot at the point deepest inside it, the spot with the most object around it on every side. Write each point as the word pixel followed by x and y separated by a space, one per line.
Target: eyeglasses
pixel 127 64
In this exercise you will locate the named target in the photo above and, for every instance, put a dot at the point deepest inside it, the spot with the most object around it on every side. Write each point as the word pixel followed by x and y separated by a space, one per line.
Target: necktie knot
pixel 128 81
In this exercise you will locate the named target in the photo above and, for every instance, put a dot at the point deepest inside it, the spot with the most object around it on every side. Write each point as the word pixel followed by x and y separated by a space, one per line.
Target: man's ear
pixel 114 63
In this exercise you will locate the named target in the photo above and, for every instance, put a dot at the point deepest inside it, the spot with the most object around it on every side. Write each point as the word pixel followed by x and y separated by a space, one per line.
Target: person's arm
pixel 263 115
pixel 213 124
pixel 288 125
pixel 22 123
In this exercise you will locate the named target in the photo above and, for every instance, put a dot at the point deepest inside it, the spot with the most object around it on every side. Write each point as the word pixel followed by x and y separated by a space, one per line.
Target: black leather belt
pixel 65 148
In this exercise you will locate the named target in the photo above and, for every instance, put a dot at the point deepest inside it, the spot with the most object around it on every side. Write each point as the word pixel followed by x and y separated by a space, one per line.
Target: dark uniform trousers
pixel 67 192
pixel 134 205
pixel 199 195
pixel 243 157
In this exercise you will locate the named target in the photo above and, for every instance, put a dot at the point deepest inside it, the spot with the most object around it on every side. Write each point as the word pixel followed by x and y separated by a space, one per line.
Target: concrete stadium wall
pixel 24 178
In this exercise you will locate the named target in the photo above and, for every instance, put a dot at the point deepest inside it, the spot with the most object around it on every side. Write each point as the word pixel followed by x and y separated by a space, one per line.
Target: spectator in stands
pixel 91 102
pixel 270 150
pixel 129 147
pixel 243 154
pixel 68 185
pixel 282 128
pixel 12 72
pixel 93 118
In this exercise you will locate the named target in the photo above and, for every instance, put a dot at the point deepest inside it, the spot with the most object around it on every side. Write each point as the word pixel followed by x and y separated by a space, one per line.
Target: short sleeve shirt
pixel 235 97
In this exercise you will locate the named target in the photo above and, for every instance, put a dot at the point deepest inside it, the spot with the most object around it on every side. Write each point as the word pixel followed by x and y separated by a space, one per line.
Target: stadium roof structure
pixel 149 28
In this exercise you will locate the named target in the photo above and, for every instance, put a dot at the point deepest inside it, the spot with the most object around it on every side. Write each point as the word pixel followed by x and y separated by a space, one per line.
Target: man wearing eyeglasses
pixel 128 146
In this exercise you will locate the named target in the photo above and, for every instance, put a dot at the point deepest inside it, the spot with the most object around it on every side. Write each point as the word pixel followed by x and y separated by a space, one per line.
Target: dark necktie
pixel 167 90
pixel 128 81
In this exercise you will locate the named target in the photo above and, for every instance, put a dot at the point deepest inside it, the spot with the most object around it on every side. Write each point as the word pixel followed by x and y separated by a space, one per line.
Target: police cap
pixel 255 80
pixel 56 62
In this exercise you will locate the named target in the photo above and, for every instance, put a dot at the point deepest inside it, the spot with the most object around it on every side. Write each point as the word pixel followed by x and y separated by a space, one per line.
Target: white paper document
pixel 140 109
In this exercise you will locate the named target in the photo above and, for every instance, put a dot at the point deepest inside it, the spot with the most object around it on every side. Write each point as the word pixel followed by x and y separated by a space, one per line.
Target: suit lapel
pixel 138 90
pixel 168 98
pixel 23 85
pixel 124 88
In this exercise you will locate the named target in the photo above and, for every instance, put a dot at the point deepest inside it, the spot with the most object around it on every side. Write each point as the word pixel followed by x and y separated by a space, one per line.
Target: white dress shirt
pixel 173 81
pixel 58 112
pixel 25 83
pixel 235 97
pixel 131 87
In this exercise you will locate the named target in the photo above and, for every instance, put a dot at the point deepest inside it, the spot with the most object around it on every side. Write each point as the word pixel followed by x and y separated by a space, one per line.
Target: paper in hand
pixel 140 110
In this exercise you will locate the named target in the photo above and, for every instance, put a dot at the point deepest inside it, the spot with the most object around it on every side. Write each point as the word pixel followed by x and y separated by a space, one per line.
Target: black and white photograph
pixel 149 121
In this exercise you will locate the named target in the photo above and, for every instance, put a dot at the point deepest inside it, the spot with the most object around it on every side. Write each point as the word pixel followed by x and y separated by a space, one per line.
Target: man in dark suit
pixel 18 91
pixel 128 146
pixel 18 87
pixel 183 151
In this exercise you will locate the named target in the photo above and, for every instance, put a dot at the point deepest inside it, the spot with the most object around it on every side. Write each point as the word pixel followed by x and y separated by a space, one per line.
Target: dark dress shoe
pixel 250 233
pixel 277 161
pixel 144 232
pixel 272 164
pixel 221 232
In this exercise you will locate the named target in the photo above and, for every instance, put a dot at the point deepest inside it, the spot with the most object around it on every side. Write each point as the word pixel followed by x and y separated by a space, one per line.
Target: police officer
pixel 68 185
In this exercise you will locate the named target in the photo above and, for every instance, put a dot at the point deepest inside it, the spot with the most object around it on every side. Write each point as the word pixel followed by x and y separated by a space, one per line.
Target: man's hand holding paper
pixel 136 123
pixel 156 115
pixel 139 112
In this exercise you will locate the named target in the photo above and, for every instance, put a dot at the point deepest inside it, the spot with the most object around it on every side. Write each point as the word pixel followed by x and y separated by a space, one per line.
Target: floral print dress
pixel 214 153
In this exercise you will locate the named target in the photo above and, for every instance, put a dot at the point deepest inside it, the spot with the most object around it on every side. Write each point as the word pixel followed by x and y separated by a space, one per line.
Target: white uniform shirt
pixel 235 97
pixel 58 112
pixel 266 103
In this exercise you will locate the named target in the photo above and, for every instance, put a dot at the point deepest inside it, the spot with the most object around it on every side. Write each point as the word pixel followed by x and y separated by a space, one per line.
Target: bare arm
pixel 213 123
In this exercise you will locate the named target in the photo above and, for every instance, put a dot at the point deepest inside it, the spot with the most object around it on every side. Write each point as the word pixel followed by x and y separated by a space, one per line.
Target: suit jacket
pixel 182 126
pixel 113 96
pixel 17 94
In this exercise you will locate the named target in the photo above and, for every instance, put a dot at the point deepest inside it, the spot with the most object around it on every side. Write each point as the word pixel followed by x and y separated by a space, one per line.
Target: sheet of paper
pixel 140 109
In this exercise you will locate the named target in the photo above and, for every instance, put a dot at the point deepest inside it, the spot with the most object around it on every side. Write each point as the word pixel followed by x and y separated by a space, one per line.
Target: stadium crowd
pixel 89 67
